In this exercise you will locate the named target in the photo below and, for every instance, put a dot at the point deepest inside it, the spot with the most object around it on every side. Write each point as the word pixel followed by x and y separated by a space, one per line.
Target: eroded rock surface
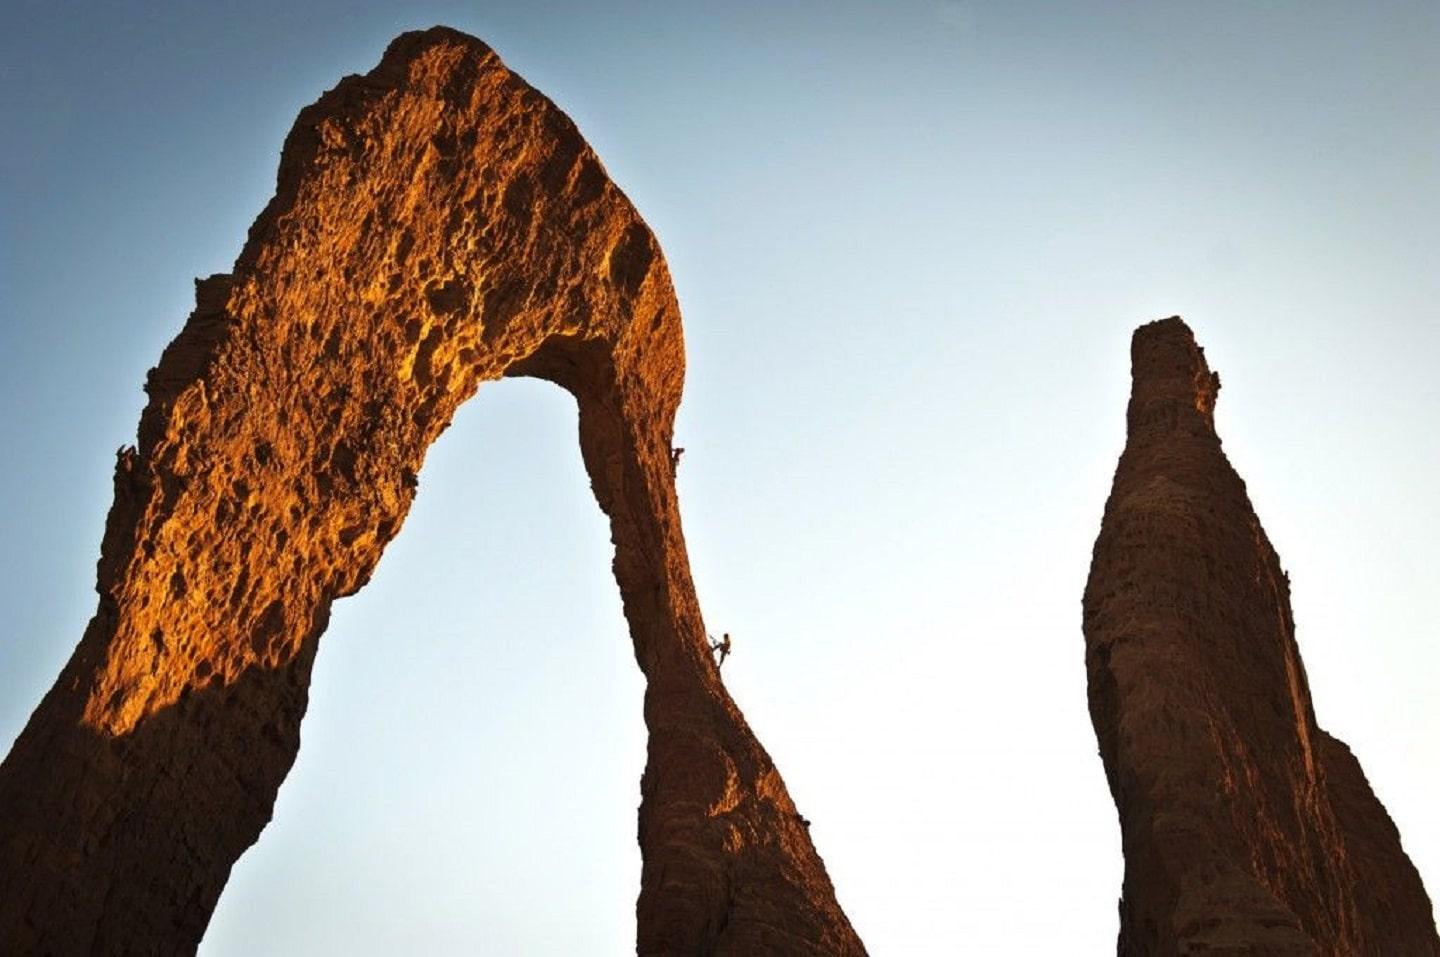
pixel 1246 828
pixel 437 223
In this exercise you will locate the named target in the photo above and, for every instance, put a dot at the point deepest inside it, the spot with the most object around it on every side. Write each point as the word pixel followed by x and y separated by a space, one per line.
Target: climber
pixel 722 646
pixel 675 454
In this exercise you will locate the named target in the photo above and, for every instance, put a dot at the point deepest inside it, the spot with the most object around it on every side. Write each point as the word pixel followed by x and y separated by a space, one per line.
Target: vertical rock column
pixel 437 223
pixel 708 785
pixel 1246 828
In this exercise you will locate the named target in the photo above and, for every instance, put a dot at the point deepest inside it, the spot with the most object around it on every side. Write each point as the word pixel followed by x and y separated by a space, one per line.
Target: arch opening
pixel 473 744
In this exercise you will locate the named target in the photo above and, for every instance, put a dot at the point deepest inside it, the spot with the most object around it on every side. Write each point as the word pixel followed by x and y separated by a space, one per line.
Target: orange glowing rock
pixel 437 223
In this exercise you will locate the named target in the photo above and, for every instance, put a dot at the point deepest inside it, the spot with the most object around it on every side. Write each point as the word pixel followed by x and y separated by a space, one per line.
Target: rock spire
pixel 1246 828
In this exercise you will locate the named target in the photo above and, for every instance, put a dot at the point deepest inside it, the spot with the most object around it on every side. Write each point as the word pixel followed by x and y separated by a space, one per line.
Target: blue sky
pixel 910 240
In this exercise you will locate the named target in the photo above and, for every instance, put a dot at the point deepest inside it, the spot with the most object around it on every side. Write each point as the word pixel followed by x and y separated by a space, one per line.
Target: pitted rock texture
pixel 1246 828
pixel 437 224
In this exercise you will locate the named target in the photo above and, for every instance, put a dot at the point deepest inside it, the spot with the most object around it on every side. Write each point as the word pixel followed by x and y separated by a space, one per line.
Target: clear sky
pixel 911 240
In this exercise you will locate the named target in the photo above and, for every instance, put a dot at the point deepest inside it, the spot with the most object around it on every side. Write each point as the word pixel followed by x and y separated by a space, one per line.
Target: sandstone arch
pixel 436 223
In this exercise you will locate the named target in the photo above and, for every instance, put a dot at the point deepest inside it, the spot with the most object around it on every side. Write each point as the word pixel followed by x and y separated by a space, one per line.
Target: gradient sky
pixel 911 241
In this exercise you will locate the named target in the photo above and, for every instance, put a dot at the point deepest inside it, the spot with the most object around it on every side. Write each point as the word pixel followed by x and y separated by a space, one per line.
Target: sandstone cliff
pixel 437 223
pixel 1246 828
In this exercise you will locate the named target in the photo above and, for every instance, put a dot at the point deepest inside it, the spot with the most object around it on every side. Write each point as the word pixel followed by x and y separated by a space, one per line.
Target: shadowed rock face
pixel 1246 828
pixel 437 224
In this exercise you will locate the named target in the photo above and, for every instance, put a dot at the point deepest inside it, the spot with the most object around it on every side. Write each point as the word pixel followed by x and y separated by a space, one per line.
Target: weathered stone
pixel 437 224
pixel 1246 828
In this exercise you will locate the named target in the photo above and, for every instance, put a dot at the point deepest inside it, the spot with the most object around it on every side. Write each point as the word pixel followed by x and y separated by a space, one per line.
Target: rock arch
pixel 437 223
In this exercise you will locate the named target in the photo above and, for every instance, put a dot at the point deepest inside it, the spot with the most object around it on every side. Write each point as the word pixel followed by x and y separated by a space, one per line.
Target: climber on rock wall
pixel 722 646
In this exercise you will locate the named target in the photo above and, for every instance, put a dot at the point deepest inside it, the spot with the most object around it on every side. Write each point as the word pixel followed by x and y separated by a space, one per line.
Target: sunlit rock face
pixel 437 224
pixel 1246 828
